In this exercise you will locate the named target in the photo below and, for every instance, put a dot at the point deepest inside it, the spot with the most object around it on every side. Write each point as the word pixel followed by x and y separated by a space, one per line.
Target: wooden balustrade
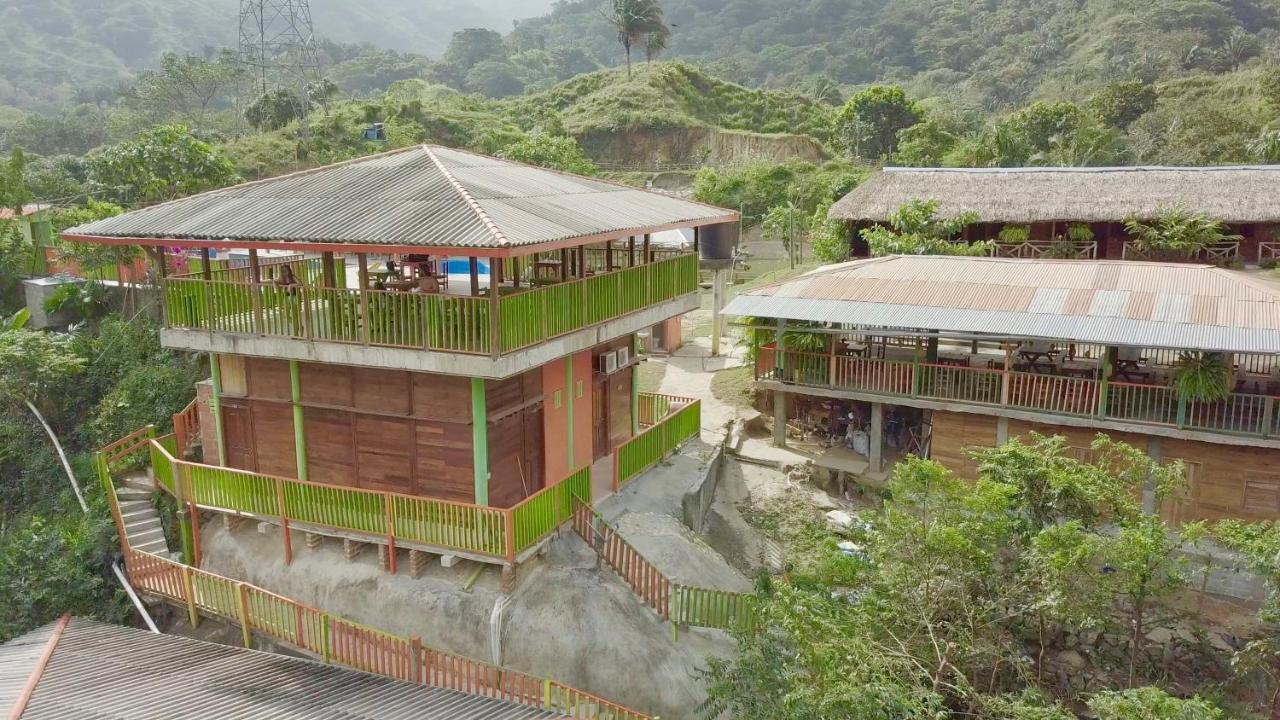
pixel 231 302
pixel 651 586
pixel 186 428
pixel 1239 413
pixel 652 444
pixel 500 533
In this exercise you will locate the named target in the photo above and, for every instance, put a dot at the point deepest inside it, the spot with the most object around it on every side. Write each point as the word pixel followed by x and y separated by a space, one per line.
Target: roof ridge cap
pixel 492 226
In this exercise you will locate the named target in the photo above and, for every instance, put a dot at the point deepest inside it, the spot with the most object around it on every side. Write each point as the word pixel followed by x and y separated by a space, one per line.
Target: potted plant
pixel 1202 377
pixel 1176 233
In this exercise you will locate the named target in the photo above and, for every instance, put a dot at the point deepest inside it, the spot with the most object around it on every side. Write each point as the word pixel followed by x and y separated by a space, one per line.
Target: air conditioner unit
pixel 609 362
pixel 624 356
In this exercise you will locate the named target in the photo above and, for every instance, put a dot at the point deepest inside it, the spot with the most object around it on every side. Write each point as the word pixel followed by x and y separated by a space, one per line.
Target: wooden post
pixel 831 359
pixel 415 659
pixel 564 264
pixel 582 260
pixel 495 309
pixel 515 272
pixel 284 522
pixel 299 437
pixel 509 520
pixel 877 436
pixel 646 256
pixel 779 397
pixel 193 614
pixel 324 638
pixel 328 273
pixel 608 256
pixel 631 251
pixel 697 233
pixel 215 408
pixel 194 513
pixel 391 533
pixel 1006 379
pixel 255 292
pixel 206 274
pixel 473 269
pixel 1104 381
pixel 362 259
pixel 246 631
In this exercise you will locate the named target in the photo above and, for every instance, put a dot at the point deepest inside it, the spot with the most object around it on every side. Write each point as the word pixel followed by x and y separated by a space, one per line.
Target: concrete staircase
pixel 141 520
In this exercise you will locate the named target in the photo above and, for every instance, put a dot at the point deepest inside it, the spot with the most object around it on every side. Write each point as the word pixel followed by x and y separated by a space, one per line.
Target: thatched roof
pixel 1241 194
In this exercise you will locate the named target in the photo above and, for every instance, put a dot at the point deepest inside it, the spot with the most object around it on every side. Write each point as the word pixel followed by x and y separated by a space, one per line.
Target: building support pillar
pixel 717 304
pixel 779 418
pixel 480 441
pixel 635 388
pixel 299 437
pixel 215 408
pixel 1002 431
pixel 570 396
pixel 877 437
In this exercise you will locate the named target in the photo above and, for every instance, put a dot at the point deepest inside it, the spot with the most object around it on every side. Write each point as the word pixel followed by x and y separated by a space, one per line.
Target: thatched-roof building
pixel 1049 200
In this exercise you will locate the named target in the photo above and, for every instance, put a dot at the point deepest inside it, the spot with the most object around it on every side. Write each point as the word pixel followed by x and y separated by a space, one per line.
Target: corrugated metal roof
pixel 18 659
pixel 108 671
pixel 425 196
pixel 1235 194
pixel 1128 303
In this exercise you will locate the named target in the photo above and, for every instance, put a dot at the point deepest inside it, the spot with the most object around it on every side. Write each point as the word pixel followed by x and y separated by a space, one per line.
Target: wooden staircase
pixel 141 520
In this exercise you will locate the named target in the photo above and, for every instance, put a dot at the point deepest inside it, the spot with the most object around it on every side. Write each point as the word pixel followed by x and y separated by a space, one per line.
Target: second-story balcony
pixel 424 307
pixel 1064 380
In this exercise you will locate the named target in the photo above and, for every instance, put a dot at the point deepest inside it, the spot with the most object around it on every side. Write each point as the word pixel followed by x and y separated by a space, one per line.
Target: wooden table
pixel 1036 359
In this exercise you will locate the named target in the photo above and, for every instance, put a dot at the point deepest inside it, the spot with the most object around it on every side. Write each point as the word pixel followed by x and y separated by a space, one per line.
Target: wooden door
pixel 600 417
pixel 237 433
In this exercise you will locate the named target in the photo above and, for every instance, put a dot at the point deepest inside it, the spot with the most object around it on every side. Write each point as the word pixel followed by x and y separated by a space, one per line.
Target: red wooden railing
pixel 644 578
pixel 186 428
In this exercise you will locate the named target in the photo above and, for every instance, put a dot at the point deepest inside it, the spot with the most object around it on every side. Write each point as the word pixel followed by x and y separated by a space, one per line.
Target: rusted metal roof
pixel 1111 302
pixel 1235 194
pixel 108 671
pixel 422 196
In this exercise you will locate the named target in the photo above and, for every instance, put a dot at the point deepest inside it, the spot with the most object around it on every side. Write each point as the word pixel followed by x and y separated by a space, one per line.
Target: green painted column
pixel 299 438
pixel 569 398
pixel 635 389
pixel 480 441
pixel 215 407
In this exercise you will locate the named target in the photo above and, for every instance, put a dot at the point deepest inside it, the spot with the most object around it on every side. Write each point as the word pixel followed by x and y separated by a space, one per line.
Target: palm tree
pixel 655 42
pixel 635 20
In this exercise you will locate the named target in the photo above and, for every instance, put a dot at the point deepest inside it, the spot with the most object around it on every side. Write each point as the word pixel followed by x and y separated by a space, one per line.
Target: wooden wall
pixel 388 430
pixel 516 465
pixel 1223 481
pixel 954 432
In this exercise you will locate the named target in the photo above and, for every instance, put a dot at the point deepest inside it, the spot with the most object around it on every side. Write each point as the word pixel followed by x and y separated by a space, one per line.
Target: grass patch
pixel 812 552
pixel 734 386
pixel 651 374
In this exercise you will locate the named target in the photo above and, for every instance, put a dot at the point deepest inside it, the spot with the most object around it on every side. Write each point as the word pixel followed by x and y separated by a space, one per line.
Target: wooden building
pixel 987 349
pixel 1052 205
pixel 448 327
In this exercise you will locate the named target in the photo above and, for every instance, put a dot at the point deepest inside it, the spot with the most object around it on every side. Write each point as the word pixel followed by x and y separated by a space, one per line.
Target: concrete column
pixel 635 388
pixel 779 418
pixel 480 441
pixel 1002 431
pixel 299 437
pixel 877 435
pixel 215 408
pixel 717 304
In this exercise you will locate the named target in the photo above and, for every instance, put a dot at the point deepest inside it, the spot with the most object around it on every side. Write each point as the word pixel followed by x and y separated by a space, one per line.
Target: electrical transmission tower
pixel 277 51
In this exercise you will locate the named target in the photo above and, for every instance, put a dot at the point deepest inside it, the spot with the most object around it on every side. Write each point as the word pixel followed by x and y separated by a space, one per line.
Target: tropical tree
pixel 869 123
pixel 162 163
pixel 1177 231
pixel 185 89
pixel 916 229
pixel 559 152
pixel 655 42
pixel 635 21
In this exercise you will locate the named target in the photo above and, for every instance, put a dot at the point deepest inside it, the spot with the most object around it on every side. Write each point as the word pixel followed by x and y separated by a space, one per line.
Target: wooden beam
pixel 328 274
pixel 631 251
pixel 362 259
pixel 645 255
pixel 564 265
pixel 473 268
pixel 255 292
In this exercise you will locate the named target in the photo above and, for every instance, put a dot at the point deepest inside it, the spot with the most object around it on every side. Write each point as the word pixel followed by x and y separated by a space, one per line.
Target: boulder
pixel 839 521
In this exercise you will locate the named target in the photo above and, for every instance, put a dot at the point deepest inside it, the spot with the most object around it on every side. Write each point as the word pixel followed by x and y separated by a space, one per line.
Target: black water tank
pixel 717 243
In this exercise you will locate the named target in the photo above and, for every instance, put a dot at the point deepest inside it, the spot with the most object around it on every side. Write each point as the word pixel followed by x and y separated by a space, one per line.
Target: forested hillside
pixel 989 53
pixel 53 50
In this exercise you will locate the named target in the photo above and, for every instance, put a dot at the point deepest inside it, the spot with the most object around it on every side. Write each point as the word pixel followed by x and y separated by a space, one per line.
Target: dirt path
pixel 689 373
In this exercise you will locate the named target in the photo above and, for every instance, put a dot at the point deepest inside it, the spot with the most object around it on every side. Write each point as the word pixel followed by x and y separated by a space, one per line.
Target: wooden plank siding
pixel 1223 481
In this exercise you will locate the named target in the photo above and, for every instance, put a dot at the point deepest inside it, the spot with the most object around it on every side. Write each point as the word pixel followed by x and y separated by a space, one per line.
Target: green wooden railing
pixel 500 533
pixel 644 450
pixel 230 302
pixel 1237 414
pixel 706 607
pixel 540 314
